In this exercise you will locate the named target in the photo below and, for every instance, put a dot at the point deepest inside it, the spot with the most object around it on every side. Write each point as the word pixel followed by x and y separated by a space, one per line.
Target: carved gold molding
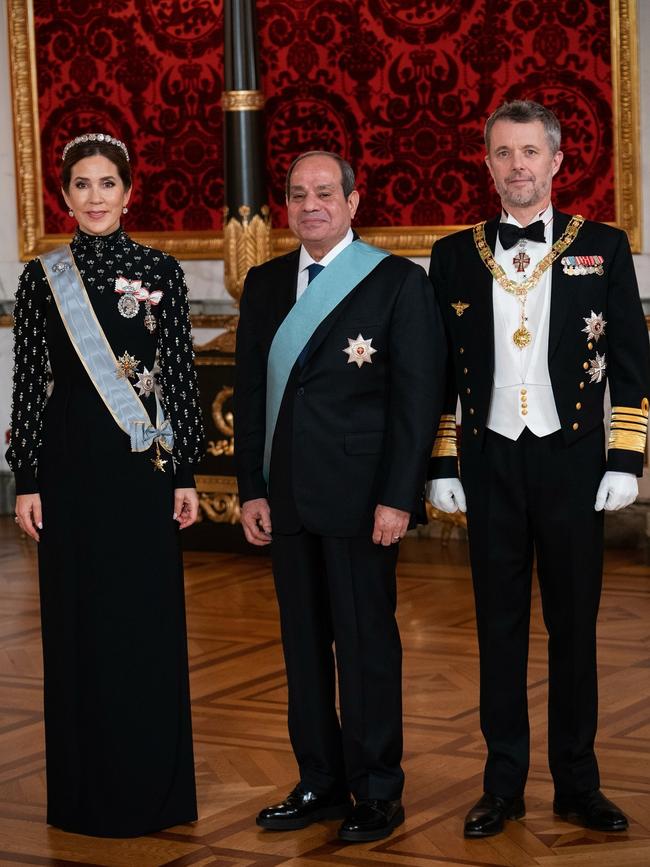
pixel 242 100
pixel 213 361
pixel 22 66
pixel 224 423
pixel 211 320
pixel 406 240
pixel 625 110
pixel 246 242
pixel 218 499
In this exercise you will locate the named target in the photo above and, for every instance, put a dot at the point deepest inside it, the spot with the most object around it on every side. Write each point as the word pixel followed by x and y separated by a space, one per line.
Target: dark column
pixel 247 228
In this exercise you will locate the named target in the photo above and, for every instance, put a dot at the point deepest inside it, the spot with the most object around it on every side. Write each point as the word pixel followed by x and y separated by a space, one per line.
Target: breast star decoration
pixel 598 368
pixel 146 383
pixel 595 326
pixel 359 351
pixel 126 366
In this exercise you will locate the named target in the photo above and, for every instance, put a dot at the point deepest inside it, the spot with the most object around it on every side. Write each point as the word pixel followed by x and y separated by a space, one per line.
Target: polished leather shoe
pixel 302 807
pixel 487 817
pixel 591 809
pixel 372 819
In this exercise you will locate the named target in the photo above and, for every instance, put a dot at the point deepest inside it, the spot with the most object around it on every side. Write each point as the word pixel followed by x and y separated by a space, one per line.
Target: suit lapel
pixel 560 288
pixel 287 284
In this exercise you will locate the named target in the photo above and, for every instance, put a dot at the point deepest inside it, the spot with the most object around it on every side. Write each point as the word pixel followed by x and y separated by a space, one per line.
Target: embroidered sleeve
pixel 178 379
pixel 29 377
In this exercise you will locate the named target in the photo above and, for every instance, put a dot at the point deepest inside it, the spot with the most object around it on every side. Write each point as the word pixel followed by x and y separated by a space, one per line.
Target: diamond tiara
pixel 95 136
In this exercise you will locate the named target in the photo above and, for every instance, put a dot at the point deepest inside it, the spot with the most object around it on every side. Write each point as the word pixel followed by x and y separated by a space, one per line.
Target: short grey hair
pixel 525 111
pixel 347 172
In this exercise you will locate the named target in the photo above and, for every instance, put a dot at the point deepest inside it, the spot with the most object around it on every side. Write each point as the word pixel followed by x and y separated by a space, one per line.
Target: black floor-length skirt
pixel 117 711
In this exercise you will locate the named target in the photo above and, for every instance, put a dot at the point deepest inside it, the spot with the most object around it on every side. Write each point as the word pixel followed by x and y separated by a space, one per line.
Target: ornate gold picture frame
pixel 406 240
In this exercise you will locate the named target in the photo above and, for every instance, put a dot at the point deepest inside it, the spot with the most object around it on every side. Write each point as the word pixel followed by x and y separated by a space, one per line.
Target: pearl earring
pixel 125 210
pixel 71 213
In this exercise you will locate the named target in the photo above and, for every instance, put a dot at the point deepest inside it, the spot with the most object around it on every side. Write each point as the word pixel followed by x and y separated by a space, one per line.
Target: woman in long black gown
pixel 117 714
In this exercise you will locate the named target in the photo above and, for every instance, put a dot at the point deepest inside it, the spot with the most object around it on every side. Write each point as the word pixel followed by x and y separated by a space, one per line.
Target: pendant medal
pixel 522 337
pixel 128 305
pixel 150 322
pixel 158 462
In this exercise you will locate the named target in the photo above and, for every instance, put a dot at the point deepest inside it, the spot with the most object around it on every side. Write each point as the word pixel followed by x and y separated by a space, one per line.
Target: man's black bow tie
pixel 510 234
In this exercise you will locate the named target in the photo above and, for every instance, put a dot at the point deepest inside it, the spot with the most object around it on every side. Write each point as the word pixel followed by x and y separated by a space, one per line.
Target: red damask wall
pixel 400 87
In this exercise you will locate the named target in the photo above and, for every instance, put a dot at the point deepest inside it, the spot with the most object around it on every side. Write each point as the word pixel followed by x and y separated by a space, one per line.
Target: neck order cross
pixel 522 336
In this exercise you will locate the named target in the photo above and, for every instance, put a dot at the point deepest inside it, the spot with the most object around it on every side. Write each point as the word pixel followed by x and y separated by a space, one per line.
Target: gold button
pixel 590 345
pixel 471 410
pixel 475 432
pixel 586 365
pixel 468 390
pixel 524 391
pixel 465 370
pixel 524 412
pixel 575 425
pixel 581 386
pixel 578 406
pixel 461 350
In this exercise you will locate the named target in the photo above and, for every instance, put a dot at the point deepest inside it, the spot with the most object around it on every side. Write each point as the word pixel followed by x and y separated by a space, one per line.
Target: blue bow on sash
pixel 143 437
pixel 97 356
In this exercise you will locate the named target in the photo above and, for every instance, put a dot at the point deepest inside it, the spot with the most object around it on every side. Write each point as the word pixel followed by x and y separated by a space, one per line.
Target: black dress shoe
pixel 591 809
pixel 372 820
pixel 302 808
pixel 487 817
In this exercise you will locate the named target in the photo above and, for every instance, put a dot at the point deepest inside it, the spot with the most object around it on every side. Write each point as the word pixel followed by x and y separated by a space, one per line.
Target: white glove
pixel 616 491
pixel 446 494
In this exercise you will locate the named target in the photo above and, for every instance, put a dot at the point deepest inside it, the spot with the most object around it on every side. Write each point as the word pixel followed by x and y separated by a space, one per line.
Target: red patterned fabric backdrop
pixel 400 87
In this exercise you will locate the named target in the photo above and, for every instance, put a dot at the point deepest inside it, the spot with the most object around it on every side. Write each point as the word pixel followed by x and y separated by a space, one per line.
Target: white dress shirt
pixel 522 395
pixel 306 260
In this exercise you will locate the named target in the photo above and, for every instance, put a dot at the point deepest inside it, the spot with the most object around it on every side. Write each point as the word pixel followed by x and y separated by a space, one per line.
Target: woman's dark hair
pixel 91 149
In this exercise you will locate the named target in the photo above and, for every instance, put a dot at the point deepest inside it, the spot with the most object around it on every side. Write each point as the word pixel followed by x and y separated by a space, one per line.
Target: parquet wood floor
pixel 244 760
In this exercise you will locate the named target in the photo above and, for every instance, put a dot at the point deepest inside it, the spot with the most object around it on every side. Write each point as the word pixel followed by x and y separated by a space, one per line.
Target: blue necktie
pixel 313 270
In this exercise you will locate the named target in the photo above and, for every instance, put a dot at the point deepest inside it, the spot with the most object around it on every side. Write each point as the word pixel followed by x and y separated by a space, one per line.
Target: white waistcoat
pixel 522 395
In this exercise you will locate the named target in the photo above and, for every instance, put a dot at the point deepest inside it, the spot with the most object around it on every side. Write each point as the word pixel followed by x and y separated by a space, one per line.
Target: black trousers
pixel 533 497
pixel 341 591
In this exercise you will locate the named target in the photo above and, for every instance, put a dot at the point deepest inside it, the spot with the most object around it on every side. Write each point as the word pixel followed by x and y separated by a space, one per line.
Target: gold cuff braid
pixel 445 443
pixel 629 427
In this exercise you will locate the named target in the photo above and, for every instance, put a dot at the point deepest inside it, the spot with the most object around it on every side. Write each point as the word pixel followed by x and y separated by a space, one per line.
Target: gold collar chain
pixel 544 264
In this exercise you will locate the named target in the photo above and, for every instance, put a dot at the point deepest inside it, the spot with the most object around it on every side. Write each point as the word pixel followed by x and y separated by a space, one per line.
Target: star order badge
pixel 595 326
pixel 126 366
pixel 146 383
pixel 359 351
pixel 597 368
pixel 158 462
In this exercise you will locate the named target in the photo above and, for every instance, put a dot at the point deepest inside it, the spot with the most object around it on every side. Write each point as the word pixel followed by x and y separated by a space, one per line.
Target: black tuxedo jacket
pixel 458 274
pixel 347 437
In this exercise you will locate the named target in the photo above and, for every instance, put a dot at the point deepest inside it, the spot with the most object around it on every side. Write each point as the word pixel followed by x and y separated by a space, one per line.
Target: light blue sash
pixel 97 356
pixel 322 295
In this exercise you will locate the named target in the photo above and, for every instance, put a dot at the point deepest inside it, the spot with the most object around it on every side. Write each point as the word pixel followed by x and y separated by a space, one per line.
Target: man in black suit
pixel 541 310
pixel 340 356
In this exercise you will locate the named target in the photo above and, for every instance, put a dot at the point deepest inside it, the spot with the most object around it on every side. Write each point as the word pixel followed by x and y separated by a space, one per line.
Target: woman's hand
pixel 29 515
pixel 186 506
